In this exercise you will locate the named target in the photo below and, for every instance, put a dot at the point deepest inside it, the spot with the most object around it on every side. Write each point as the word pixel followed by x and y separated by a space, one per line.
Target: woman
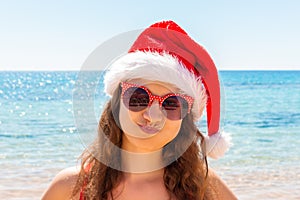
pixel 148 145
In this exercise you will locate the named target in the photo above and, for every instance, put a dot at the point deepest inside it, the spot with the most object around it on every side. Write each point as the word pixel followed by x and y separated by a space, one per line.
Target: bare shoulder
pixel 220 186
pixel 62 185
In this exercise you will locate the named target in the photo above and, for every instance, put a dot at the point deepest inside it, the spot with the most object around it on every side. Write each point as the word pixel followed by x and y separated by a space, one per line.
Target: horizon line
pixel 74 70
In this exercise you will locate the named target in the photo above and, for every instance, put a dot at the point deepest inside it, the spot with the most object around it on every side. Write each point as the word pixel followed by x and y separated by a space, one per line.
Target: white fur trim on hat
pixel 157 67
pixel 217 144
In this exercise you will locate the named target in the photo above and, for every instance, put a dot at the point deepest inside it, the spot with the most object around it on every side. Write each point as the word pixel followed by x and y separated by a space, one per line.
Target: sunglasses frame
pixel 125 86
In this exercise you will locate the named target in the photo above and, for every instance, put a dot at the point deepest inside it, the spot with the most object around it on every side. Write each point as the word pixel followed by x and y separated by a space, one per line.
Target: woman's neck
pixel 142 163
pixel 147 177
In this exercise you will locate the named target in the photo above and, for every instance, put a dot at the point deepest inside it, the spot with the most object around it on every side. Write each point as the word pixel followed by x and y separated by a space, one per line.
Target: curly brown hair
pixel 185 178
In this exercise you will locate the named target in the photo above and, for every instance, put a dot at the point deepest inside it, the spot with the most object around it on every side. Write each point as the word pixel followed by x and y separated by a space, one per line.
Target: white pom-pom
pixel 217 144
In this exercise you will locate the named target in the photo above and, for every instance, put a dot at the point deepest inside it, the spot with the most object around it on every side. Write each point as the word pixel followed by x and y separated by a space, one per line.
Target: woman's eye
pixel 171 104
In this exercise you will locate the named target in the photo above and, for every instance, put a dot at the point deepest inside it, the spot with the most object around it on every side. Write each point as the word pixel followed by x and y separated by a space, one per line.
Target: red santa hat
pixel 164 52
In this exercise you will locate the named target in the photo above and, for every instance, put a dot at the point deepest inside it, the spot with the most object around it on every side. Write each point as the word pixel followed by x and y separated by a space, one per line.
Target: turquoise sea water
pixel 38 135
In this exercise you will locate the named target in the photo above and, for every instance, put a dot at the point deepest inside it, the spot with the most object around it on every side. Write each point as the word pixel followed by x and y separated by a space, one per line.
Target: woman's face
pixel 149 129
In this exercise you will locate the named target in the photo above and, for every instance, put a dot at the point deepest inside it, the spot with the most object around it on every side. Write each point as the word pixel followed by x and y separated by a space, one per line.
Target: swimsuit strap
pixel 86 170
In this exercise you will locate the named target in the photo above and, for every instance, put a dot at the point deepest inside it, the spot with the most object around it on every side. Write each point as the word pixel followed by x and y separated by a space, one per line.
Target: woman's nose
pixel 153 113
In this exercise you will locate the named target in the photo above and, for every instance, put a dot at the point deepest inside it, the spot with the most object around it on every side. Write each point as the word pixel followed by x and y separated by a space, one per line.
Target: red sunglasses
pixel 137 98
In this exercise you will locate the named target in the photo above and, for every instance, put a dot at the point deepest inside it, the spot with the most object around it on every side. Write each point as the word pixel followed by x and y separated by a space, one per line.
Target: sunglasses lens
pixel 136 99
pixel 176 107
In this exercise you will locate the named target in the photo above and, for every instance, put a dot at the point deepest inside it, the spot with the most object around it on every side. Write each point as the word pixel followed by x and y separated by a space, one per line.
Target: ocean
pixel 261 109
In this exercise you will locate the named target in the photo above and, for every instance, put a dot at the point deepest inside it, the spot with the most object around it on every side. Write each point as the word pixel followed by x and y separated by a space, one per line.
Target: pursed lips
pixel 149 129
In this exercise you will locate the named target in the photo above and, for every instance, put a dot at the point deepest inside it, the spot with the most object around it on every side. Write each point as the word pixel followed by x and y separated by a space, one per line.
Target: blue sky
pixel 59 35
